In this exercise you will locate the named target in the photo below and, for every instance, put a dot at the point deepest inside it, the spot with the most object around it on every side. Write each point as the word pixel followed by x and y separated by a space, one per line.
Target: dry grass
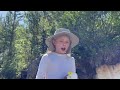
pixel 108 72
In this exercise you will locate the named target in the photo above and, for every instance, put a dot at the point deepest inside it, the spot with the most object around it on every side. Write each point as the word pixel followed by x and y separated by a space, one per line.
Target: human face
pixel 61 44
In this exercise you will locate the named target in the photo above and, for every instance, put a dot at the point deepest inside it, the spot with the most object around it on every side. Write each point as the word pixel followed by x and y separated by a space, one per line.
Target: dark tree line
pixel 21 46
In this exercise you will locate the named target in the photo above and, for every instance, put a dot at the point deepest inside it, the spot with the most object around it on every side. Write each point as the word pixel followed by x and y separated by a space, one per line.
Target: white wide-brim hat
pixel 62 31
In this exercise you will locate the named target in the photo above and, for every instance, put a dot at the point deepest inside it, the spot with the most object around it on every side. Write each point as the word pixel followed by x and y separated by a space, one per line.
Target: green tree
pixel 9 25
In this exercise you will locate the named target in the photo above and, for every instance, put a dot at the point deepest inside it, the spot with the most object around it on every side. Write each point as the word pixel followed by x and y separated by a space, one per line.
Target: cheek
pixel 57 45
pixel 68 44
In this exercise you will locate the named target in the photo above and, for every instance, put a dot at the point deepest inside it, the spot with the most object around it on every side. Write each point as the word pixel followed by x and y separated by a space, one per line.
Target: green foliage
pixel 99 33
pixel 22 49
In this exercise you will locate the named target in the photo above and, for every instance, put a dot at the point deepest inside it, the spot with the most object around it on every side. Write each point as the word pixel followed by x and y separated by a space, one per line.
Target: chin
pixel 63 52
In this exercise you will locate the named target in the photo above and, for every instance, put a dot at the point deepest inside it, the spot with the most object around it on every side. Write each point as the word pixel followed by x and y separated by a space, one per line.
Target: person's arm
pixel 73 69
pixel 42 69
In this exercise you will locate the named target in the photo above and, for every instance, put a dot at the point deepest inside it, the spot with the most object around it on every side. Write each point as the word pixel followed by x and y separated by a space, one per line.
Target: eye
pixel 61 41
pixel 67 42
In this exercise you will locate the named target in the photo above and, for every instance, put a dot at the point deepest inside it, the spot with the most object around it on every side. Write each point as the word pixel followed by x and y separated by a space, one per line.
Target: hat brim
pixel 73 38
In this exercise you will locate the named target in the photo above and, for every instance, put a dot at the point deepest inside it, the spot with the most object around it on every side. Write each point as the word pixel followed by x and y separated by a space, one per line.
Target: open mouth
pixel 63 49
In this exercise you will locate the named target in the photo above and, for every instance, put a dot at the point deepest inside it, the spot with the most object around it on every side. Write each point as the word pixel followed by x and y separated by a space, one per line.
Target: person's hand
pixel 72 75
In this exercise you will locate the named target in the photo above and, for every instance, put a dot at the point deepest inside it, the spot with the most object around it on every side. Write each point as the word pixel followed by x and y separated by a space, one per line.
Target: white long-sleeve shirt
pixel 55 66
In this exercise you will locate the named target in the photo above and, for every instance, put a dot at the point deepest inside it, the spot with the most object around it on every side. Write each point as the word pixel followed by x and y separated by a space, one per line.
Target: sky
pixel 3 14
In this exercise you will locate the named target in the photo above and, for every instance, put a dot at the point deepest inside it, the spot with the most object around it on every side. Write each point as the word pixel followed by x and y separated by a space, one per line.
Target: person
pixel 57 62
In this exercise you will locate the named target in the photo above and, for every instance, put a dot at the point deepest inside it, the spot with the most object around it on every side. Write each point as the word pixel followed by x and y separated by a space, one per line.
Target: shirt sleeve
pixel 42 69
pixel 73 65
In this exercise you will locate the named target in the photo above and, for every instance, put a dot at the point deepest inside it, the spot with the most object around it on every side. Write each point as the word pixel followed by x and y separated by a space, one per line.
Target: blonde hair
pixel 69 48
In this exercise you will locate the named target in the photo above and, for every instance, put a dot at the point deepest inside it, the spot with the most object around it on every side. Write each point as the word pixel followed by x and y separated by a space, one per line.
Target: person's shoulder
pixel 45 58
pixel 72 58
pixel 46 55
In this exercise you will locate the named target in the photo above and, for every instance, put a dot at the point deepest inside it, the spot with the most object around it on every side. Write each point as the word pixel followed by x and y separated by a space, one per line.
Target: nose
pixel 64 44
